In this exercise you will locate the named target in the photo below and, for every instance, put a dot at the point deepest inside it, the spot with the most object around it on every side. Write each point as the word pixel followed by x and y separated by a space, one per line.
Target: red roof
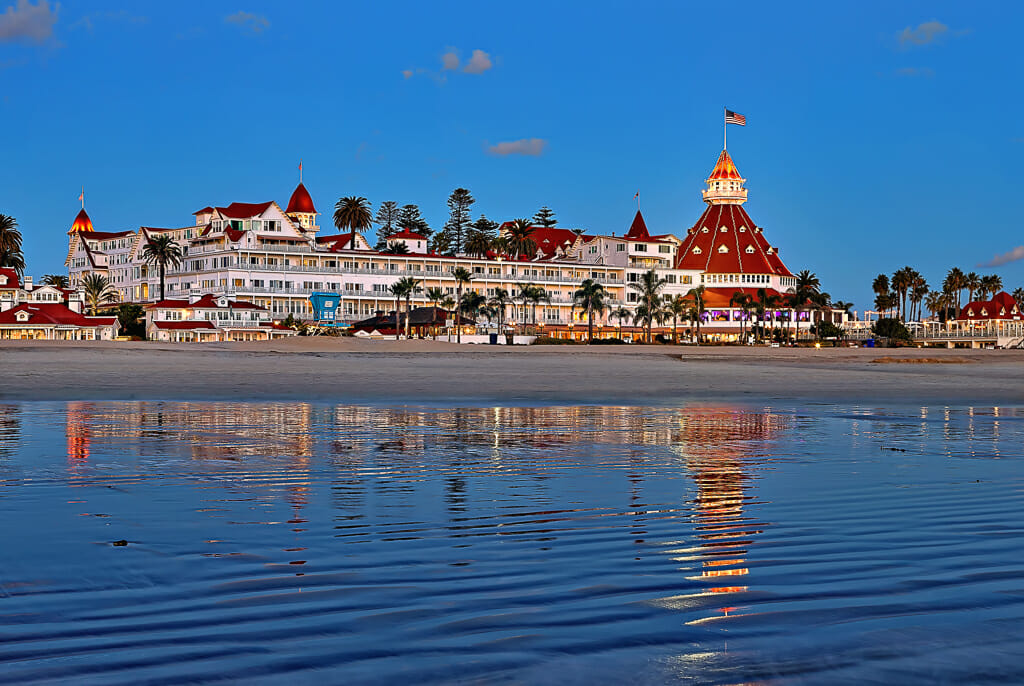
pixel 300 201
pixel 197 324
pixel 1001 306
pixel 725 169
pixel 549 239
pixel 638 229
pixel 12 278
pixel 52 313
pixel 203 211
pixel 234 235
pixel 721 297
pixel 277 327
pixel 244 210
pixel 725 240
pixel 107 235
pixel 208 301
pixel 407 235
pixel 82 223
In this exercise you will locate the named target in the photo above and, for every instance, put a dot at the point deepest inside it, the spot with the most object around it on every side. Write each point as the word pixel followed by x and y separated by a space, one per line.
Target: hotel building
pixel 276 258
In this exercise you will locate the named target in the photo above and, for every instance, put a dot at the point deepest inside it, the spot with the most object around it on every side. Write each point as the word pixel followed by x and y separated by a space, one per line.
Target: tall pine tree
pixel 409 218
pixel 387 219
pixel 545 217
pixel 458 222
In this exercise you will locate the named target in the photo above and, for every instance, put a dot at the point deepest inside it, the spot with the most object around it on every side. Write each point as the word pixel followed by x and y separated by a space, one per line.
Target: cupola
pixel 82 223
pixel 725 185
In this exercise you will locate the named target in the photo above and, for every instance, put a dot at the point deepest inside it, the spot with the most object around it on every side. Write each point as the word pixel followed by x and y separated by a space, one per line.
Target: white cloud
pixel 407 73
pixel 523 146
pixel 449 60
pixel 1007 257
pixel 254 23
pixel 478 63
pixel 925 33
pixel 27 22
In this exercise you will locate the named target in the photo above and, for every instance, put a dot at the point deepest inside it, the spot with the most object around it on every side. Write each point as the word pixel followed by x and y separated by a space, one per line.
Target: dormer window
pixel 722 249
pixel 743 229
pixel 3 280
pixel 696 251
pixel 770 250
pixel 22 316
pixel 704 230
pixel 723 229
pixel 750 250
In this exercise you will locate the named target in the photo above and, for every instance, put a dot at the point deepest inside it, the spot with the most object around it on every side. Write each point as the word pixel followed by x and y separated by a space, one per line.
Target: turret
pixel 725 185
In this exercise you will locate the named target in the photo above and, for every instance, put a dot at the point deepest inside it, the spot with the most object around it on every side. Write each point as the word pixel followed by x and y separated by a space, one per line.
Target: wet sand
pixel 429 372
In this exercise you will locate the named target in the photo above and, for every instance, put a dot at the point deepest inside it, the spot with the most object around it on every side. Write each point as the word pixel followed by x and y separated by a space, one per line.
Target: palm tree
pixel 462 277
pixel 954 283
pixel 448 303
pixel 398 291
pixel 1018 295
pixel 935 301
pixel 525 294
pixel 590 296
pixel 536 296
pixel 880 285
pixel 434 294
pixel 821 301
pixel 972 282
pixel 471 303
pixel 410 287
pixel 990 285
pixel 98 291
pixel 697 296
pixel 620 314
pixel 519 241
pixel 353 213
pixel 772 304
pixel 742 301
pixel 807 286
pixel 162 251
pixel 677 307
pixel 58 280
pixel 499 301
pixel 901 281
pixel 648 289
pixel 11 255
pixel 919 289
pixel 478 244
pixel 844 306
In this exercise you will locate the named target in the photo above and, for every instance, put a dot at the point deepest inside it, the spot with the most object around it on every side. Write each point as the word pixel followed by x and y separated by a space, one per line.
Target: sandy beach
pixel 352 370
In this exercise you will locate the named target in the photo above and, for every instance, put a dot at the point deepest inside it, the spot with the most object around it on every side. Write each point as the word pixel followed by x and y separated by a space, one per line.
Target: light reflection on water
pixel 169 542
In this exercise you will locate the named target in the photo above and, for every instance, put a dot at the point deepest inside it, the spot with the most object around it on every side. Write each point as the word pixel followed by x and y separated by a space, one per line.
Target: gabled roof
pixel 407 235
pixel 244 210
pixel 107 235
pixel 1001 306
pixel 740 249
pixel 206 302
pixel 205 210
pixel 300 201
pixel 12 279
pixel 53 314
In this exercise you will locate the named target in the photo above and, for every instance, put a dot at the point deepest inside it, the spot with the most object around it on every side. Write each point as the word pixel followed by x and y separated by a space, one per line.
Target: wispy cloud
pixel 89 21
pixel 1006 258
pixel 478 63
pixel 523 146
pixel 28 23
pixel 247 21
pixel 925 72
pixel 925 33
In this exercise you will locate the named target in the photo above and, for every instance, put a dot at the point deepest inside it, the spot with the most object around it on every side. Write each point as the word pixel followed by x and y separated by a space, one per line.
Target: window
pixel 621 247
pixel 696 250
pixel 722 249
pixel 640 247
pixel 704 230
pixel 750 250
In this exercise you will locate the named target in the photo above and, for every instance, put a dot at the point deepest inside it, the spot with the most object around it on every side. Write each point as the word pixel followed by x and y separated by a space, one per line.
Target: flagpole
pixel 725 130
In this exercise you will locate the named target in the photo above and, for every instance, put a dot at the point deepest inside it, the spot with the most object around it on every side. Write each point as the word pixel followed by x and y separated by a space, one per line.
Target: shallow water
pixel 291 543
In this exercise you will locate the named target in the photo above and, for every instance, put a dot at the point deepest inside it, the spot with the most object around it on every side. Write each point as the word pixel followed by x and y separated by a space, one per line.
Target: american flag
pixel 735 118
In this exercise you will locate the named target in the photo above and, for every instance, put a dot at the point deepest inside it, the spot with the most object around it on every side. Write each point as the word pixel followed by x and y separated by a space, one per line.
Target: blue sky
pixel 879 134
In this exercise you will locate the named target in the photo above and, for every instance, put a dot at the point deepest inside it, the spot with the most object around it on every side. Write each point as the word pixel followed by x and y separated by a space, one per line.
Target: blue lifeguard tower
pixel 325 310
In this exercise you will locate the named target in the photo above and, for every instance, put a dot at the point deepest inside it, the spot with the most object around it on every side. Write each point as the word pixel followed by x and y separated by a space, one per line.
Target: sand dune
pixel 352 370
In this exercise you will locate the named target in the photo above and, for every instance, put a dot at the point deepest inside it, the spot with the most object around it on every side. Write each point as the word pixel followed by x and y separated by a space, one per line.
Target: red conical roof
pixel 638 229
pixel 725 169
pixel 82 223
pixel 300 201
pixel 725 240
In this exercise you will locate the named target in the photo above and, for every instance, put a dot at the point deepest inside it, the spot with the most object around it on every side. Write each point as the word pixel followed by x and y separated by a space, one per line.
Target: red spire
pixel 638 229
pixel 82 223
pixel 300 202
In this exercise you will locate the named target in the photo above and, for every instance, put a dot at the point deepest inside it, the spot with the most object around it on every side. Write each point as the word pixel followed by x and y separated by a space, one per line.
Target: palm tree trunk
pixel 458 316
pixel 590 324
pixel 161 280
